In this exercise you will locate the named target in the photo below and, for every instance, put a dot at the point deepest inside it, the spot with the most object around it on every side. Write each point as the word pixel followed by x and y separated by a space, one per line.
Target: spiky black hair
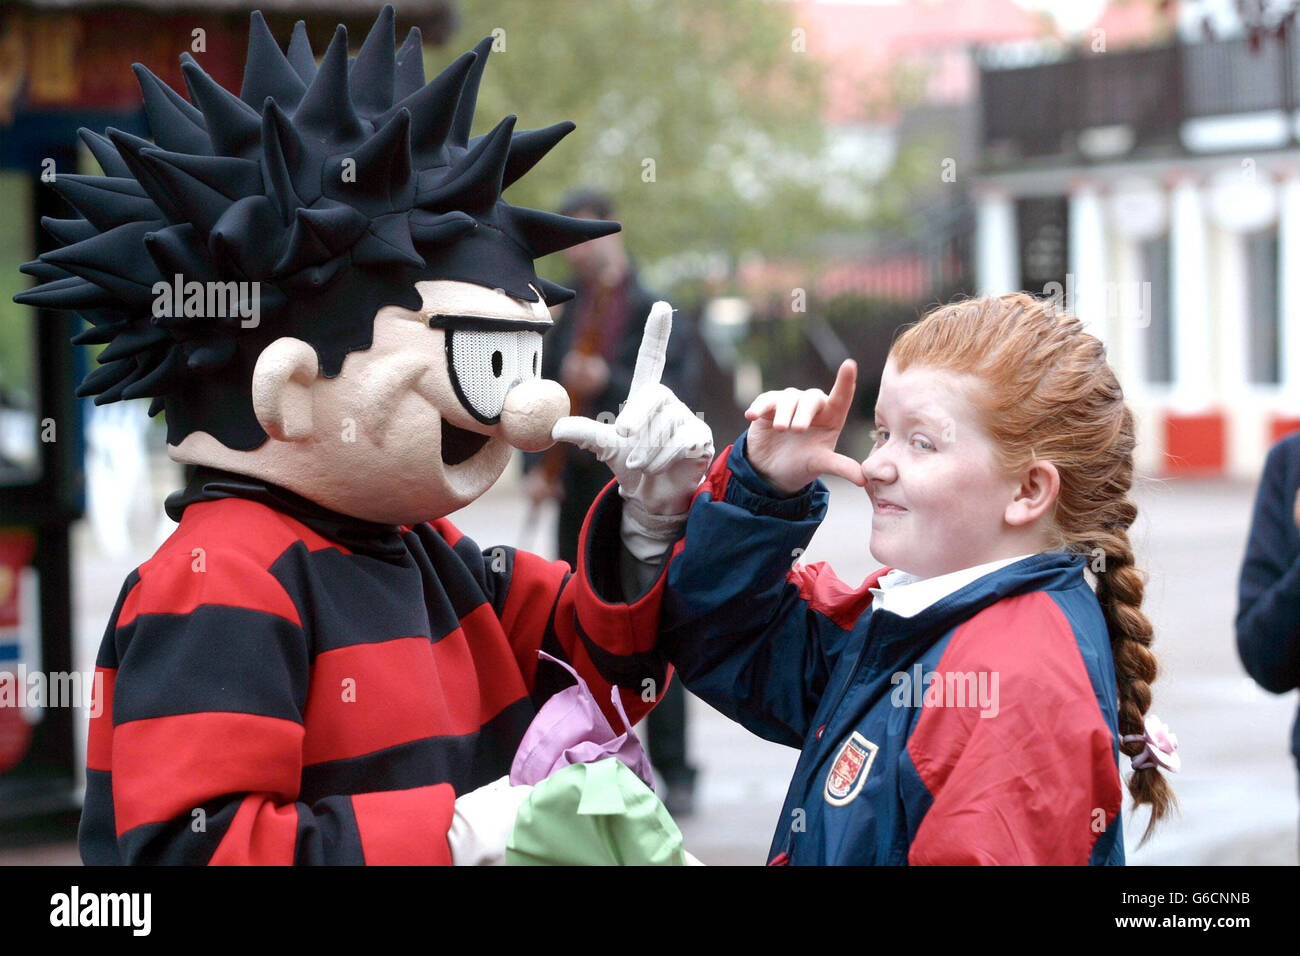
pixel 335 188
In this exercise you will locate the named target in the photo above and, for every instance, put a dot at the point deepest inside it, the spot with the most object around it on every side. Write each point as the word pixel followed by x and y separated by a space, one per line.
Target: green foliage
pixel 17 322
pixel 716 94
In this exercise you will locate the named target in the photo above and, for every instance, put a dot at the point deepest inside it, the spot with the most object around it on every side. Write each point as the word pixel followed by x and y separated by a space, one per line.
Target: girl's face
pixel 940 500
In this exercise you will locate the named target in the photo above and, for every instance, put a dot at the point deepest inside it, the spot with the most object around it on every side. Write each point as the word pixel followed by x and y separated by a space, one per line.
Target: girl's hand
pixel 792 434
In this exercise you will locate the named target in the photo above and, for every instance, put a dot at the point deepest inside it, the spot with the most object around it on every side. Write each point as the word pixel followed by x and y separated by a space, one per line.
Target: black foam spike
pixel 104 377
pixel 113 393
pixel 311 280
pixel 299 55
pixel 474 183
pixel 230 176
pixel 68 231
pixel 233 126
pixel 433 106
pixel 542 233
pixel 409 66
pixel 174 123
pixel 246 239
pixel 129 148
pixel 180 250
pixel 529 146
pixel 120 185
pixel 116 260
pixel 383 162
pixel 283 151
pixel 200 203
pixel 141 337
pixel 156 381
pixel 267 72
pixel 374 70
pixel 43 271
pixel 326 108
pixel 73 293
pixel 105 153
pixel 106 201
pixel 553 293
pixel 319 235
pixel 388 240
pixel 99 333
pixel 464 121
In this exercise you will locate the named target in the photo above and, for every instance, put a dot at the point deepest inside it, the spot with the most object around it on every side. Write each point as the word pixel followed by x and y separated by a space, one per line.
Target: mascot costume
pixel 319 283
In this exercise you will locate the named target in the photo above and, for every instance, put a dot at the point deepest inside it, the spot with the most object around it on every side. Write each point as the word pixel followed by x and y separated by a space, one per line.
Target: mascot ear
pixel 282 389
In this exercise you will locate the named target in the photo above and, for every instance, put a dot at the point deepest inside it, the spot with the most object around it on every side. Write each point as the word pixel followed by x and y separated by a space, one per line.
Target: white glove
pixel 482 821
pixel 657 448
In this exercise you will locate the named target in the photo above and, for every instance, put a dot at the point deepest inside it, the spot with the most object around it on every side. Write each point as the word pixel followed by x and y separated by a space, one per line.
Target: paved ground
pixel 1238 790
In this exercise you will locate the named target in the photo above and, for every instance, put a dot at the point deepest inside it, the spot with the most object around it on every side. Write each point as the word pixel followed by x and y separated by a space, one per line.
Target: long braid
pixel 1120 587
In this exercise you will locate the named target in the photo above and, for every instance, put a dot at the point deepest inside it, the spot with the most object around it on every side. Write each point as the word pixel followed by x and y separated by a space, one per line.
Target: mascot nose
pixel 531 410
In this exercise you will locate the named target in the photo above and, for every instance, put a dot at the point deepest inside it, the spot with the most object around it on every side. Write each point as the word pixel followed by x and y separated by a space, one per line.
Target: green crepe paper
pixel 594 814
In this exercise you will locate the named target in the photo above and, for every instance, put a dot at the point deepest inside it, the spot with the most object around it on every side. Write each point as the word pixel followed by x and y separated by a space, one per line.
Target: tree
pixel 703 120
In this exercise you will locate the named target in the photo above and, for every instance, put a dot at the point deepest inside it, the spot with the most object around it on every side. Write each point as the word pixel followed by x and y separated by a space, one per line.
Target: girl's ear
pixel 1040 484
pixel 283 379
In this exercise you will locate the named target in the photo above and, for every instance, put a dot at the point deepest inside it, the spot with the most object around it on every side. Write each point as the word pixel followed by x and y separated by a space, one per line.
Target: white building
pixel 1158 191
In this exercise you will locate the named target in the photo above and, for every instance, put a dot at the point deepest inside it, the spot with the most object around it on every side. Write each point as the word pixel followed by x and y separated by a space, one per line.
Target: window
pixel 1262 366
pixel 1157 338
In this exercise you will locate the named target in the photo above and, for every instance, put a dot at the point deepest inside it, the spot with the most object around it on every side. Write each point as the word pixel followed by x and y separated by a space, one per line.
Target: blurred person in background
pixel 592 352
pixel 1268 606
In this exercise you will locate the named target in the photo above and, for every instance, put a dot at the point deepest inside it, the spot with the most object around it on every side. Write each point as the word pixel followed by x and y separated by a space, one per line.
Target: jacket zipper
pixel 857 666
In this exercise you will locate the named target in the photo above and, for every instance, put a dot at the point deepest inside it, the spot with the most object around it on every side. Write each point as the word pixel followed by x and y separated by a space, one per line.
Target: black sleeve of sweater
pixel 1268 607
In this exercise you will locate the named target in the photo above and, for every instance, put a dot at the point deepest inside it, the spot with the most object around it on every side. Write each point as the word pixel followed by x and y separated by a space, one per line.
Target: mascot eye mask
pixel 486 357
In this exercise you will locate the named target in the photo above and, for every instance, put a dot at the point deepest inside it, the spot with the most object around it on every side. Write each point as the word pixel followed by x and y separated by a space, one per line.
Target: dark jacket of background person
pixel 1268 608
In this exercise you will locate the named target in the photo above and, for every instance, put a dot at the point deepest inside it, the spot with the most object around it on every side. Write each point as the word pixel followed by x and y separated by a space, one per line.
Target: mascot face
pixel 395 357
pixel 412 428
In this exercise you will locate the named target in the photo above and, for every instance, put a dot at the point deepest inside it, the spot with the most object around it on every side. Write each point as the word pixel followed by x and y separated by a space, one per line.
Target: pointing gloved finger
pixel 586 433
pixel 653 353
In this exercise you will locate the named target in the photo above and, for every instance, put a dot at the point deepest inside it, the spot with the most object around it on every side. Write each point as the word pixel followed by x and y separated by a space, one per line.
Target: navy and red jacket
pixel 287 685
pixel 890 774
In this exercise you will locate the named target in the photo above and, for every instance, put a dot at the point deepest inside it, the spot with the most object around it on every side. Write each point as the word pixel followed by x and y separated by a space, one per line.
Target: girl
pixel 967 703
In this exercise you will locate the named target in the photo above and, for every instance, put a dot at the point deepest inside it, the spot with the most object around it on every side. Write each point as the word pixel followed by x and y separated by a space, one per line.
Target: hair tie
pixel 1161 746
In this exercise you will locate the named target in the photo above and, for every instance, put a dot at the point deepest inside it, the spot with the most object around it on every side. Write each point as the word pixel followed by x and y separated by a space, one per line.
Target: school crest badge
pixel 849 769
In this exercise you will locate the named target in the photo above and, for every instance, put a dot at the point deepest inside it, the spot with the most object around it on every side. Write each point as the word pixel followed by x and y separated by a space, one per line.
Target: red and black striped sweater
pixel 285 685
